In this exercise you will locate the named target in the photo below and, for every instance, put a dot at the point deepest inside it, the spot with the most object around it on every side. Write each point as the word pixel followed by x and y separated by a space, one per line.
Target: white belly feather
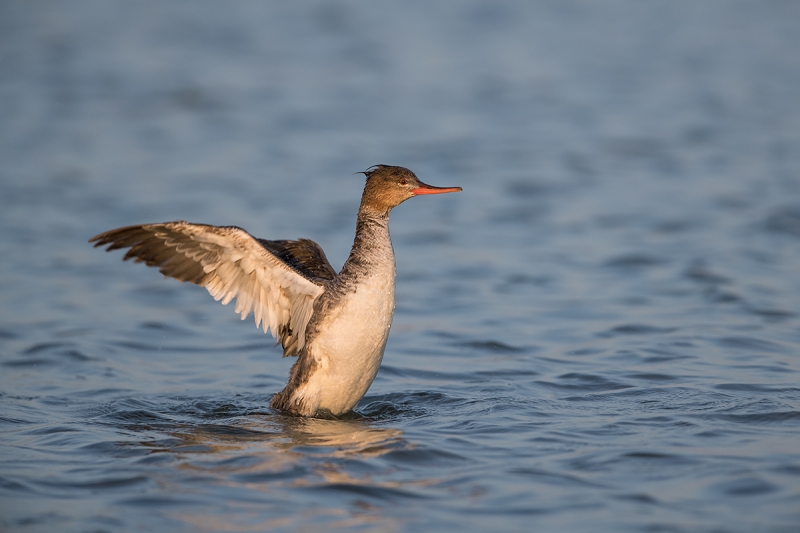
pixel 349 348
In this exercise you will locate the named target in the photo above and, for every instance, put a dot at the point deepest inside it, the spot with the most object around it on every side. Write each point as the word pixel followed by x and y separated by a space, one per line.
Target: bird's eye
pixel 403 181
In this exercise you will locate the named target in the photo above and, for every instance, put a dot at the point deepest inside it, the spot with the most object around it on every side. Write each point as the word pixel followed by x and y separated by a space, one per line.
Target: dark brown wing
pixel 303 255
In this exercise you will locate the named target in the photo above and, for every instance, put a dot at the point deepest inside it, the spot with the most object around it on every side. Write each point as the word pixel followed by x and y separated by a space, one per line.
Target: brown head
pixel 388 187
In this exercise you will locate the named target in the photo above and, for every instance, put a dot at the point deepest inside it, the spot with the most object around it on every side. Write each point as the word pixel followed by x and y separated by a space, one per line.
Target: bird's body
pixel 337 324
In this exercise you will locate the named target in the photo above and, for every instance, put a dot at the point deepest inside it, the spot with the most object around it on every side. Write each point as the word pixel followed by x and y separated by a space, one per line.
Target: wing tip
pixel 99 240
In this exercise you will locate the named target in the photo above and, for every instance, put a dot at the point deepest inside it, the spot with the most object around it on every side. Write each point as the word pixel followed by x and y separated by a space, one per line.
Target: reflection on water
pixel 281 436
pixel 269 453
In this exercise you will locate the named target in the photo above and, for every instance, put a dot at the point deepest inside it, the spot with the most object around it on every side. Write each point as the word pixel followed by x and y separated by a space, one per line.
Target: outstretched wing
pixel 231 263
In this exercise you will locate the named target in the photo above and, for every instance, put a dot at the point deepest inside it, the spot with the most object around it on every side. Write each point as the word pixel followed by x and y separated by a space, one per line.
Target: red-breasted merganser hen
pixel 336 324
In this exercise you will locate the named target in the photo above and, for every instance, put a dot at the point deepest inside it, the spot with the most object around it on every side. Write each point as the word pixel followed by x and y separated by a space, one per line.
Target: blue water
pixel 601 333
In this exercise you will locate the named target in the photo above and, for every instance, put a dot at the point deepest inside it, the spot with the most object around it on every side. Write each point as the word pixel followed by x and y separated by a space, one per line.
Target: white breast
pixel 349 348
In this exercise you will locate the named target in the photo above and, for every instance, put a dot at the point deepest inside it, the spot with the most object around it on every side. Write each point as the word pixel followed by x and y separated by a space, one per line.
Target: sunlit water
pixel 600 333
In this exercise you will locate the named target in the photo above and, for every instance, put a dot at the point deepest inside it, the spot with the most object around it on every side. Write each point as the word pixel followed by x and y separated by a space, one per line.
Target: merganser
pixel 336 324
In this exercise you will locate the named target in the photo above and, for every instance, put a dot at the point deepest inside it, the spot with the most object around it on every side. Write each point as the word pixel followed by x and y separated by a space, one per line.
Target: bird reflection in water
pixel 278 455
pixel 283 434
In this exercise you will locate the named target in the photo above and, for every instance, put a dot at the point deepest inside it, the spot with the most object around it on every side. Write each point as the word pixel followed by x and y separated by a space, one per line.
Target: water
pixel 600 333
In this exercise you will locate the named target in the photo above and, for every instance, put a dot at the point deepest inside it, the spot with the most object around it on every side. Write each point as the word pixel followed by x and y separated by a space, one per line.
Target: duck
pixel 336 324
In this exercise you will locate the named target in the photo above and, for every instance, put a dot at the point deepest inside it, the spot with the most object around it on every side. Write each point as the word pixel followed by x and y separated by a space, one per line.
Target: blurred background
pixel 601 332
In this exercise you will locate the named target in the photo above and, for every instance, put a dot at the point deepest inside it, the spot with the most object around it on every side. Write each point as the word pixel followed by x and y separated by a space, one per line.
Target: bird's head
pixel 389 186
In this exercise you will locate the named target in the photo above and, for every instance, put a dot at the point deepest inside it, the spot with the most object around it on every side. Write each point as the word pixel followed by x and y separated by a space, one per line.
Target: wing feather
pixel 279 289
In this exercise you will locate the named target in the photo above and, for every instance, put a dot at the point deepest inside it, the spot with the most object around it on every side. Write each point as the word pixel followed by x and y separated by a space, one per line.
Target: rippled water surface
pixel 600 333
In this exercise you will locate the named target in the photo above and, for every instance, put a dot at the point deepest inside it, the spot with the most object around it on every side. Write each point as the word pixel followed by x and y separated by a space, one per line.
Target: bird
pixel 336 325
